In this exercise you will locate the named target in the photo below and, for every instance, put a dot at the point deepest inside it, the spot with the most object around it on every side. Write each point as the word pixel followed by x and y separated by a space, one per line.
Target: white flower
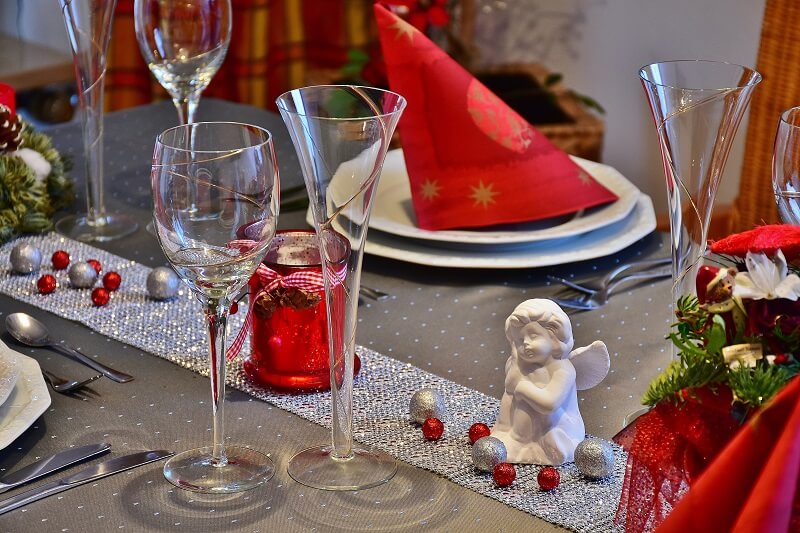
pixel 41 167
pixel 766 279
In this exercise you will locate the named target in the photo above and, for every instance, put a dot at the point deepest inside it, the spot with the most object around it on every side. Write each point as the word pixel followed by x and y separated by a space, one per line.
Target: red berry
pixel 100 297
pixel 46 284
pixel 234 308
pixel 111 281
pixel 433 429
pixel 60 260
pixel 478 431
pixel 548 478
pixel 504 474
pixel 781 358
pixel 96 264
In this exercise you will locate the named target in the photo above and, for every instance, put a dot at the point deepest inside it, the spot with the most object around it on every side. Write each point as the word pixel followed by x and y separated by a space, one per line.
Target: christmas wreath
pixel 33 176
pixel 738 345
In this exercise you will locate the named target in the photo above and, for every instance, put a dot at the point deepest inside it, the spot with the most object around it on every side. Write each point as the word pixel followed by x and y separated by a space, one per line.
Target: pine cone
pixel 10 130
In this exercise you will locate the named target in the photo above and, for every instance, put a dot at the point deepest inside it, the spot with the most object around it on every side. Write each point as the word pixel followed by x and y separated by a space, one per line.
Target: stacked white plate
pixel 588 234
pixel 23 394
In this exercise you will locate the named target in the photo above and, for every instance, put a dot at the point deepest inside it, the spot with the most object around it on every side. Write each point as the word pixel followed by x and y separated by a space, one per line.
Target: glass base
pixel 193 471
pixel 628 420
pixel 368 467
pixel 79 228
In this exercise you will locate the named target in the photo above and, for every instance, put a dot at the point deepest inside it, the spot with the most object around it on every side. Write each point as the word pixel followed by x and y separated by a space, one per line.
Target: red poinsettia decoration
pixel 767 239
pixel 422 13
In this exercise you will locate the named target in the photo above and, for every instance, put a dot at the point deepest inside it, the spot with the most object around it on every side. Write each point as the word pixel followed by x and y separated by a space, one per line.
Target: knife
pixel 50 464
pixel 106 468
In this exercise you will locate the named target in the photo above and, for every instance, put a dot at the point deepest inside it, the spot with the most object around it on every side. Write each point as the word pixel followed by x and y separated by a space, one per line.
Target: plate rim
pixel 38 397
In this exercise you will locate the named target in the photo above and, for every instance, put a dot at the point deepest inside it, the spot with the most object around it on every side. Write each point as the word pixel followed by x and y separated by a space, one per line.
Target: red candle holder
pixel 289 336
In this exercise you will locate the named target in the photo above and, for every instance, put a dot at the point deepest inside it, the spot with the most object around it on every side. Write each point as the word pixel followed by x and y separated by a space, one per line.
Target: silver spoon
pixel 64 386
pixel 30 331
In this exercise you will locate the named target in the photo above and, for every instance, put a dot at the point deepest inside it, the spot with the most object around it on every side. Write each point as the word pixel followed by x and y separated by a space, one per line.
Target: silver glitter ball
pixel 162 283
pixel 25 258
pixel 82 275
pixel 594 458
pixel 488 452
pixel 426 403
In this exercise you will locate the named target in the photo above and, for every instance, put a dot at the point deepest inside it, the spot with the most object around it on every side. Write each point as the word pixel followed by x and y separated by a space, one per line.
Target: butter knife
pixel 50 464
pixel 106 468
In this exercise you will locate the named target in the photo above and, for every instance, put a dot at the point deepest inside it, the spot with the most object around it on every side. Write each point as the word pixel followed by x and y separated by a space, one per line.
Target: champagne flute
pixel 233 168
pixel 786 166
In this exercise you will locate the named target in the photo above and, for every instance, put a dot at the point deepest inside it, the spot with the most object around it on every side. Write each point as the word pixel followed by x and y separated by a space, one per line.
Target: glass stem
pixel 92 122
pixel 187 109
pixel 217 318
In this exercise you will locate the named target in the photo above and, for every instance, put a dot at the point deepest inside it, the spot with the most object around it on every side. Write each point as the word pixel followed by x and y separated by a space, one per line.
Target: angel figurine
pixel 539 420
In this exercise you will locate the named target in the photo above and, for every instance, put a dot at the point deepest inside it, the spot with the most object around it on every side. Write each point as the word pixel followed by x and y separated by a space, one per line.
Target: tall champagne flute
pixel 786 166
pixel 233 168
pixel 341 134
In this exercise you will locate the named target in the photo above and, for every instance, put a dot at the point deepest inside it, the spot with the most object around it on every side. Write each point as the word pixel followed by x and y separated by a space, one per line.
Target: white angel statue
pixel 539 420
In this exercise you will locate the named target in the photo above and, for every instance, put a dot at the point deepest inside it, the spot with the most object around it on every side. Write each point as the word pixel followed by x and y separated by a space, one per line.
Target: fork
pixel 65 386
pixel 593 286
pixel 599 298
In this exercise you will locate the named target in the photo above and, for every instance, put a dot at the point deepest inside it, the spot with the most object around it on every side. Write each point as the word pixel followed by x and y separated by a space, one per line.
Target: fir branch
pixel 755 386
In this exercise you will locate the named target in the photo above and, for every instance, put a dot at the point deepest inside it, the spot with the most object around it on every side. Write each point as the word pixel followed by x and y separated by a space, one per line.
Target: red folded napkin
pixel 472 160
pixel 752 485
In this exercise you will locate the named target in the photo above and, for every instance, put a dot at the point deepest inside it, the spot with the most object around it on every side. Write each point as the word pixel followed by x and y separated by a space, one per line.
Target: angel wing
pixel 591 364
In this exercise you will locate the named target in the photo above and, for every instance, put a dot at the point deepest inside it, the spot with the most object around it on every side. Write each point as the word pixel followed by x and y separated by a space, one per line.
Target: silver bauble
pixel 426 403
pixel 82 275
pixel 488 452
pixel 162 283
pixel 25 258
pixel 594 458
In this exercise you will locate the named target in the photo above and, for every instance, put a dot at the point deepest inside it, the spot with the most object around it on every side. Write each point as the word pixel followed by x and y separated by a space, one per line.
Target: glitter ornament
pixel 60 260
pixel 433 429
pixel 504 474
pixel 478 431
pixel 96 265
pixel 162 283
pixel 548 478
pixel 46 284
pixel 100 297
pixel 426 403
pixel 487 453
pixel 82 275
pixel 594 458
pixel 25 258
pixel 112 281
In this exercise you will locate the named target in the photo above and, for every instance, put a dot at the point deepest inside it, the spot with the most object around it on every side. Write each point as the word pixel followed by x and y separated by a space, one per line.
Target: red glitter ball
pixel 96 264
pixel 234 308
pixel 433 428
pixel 504 474
pixel 111 281
pixel 46 284
pixel 548 478
pixel 478 431
pixel 100 297
pixel 60 260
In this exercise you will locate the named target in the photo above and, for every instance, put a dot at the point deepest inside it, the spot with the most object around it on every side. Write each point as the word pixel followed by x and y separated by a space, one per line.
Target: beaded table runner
pixel 174 331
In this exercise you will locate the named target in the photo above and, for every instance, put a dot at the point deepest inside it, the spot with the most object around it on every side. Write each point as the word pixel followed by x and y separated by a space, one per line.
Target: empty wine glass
pixel 341 134
pixel 786 166
pixel 233 168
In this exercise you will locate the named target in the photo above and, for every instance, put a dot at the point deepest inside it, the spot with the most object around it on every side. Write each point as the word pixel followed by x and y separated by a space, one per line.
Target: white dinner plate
pixel 393 212
pixel 598 243
pixel 29 399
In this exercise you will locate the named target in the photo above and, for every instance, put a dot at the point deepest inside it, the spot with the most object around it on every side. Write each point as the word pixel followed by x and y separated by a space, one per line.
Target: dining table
pixel 446 321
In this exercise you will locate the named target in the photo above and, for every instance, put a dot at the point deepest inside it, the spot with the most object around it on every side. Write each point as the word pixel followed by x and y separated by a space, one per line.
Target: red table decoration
pixel 8 98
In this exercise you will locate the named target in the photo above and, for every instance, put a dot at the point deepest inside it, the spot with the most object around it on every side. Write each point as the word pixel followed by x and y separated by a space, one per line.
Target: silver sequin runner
pixel 173 330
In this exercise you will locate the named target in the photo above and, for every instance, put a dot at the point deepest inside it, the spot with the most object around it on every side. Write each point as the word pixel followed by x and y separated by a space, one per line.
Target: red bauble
pixel 96 264
pixel 46 284
pixel 433 428
pixel 548 478
pixel 234 308
pixel 478 431
pixel 100 297
pixel 504 474
pixel 60 260
pixel 111 281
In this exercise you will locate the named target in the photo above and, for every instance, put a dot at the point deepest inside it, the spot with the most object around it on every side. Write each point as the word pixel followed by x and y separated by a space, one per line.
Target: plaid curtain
pixel 276 45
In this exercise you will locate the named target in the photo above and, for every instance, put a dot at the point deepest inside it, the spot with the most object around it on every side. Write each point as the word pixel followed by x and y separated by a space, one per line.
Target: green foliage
pixel 27 204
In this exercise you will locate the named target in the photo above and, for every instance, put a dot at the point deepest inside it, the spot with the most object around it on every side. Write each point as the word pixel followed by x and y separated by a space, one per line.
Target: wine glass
pixel 184 44
pixel 341 134
pixel 233 168
pixel 786 166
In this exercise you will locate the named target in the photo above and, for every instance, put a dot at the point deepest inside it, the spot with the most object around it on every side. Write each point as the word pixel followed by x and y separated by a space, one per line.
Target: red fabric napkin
pixel 473 161
pixel 752 485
